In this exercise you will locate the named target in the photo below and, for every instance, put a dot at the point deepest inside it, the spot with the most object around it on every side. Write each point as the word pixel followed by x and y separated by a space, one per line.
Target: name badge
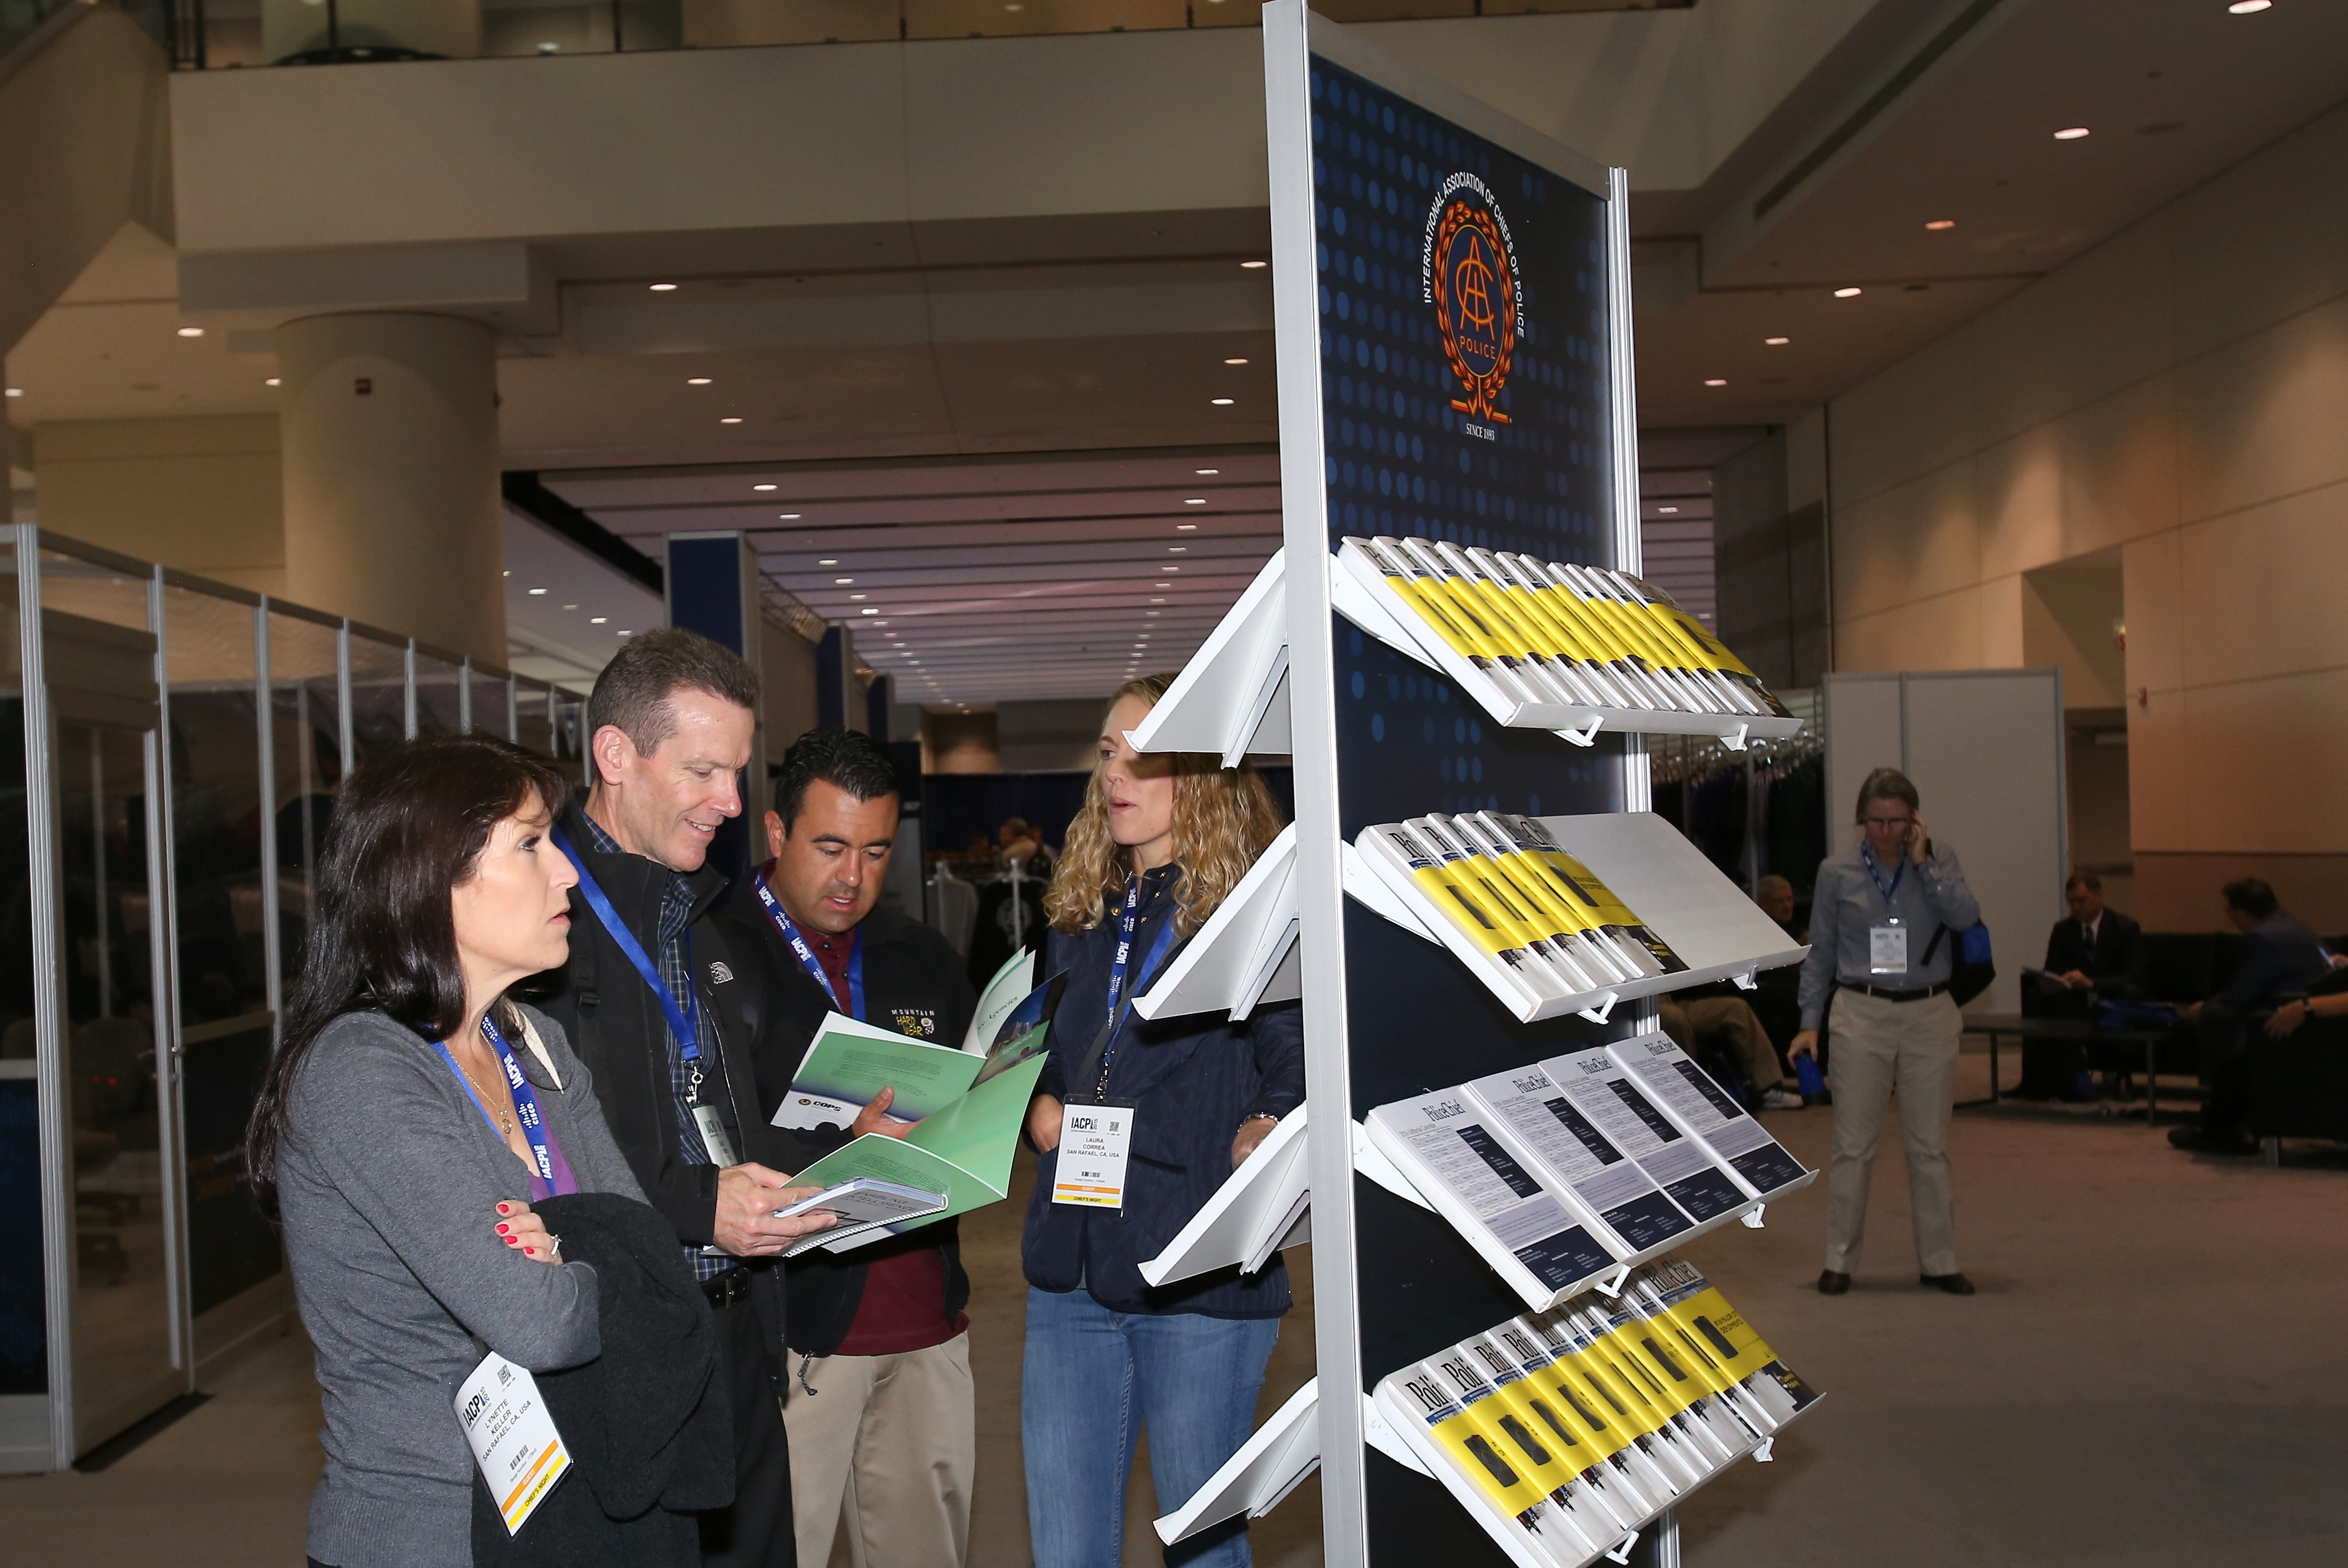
pixel 1095 1140
pixel 1887 949
pixel 712 1135
pixel 512 1437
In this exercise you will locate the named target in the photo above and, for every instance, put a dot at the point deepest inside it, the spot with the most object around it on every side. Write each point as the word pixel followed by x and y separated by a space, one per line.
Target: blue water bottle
pixel 1805 1073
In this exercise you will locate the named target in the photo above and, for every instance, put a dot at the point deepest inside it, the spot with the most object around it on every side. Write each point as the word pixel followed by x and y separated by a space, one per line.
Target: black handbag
pixel 1971 967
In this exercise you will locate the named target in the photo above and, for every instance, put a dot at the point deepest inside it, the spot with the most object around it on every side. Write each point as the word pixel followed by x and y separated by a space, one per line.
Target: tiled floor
pixel 2151 1375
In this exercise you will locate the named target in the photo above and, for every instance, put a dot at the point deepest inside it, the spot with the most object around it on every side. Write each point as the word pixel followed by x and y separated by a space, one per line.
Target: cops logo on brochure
pixel 1467 272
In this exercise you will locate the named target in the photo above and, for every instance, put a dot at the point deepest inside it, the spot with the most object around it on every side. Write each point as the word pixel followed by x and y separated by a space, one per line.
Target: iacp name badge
pixel 512 1436
pixel 1093 1142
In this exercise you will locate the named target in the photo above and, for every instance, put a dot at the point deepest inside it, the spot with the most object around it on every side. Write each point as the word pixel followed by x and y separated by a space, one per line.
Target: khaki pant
pixel 886 1444
pixel 1729 1021
pixel 1881 1047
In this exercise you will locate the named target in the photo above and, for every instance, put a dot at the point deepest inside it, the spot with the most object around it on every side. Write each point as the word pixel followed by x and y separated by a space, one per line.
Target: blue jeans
pixel 1093 1380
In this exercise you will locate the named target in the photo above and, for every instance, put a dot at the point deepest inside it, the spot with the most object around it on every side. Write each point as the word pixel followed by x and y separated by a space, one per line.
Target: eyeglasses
pixel 1889 821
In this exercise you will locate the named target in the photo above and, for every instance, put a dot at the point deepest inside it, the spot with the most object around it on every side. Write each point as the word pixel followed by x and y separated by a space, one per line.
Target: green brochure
pixel 851 1063
pixel 963 1151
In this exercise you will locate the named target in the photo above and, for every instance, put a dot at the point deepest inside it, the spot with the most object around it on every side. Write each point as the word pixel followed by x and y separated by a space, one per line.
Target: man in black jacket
pixel 2095 953
pixel 881 1416
pixel 655 1002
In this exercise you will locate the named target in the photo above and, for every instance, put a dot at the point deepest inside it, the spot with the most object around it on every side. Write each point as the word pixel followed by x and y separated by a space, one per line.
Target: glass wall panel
pixel 534 717
pixel 491 714
pixel 306 730
pixel 570 729
pixel 378 695
pixel 213 747
pixel 93 592
pixel 23 1314
pixel 440 696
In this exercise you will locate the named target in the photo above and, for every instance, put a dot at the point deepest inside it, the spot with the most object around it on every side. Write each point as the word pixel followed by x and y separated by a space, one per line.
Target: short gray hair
pixel 1886 784
pixel 633 693
pixel 1771 884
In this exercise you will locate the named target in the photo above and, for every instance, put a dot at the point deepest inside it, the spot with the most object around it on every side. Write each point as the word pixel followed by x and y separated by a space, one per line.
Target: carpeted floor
pixel 2151 1375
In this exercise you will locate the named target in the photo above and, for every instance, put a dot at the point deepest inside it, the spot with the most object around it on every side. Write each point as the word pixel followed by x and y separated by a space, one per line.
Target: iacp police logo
pixel 1468 273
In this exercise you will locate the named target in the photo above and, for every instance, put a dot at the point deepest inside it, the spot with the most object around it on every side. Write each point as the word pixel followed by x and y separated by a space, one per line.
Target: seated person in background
pixel 1775 896
pixel 2280 957
pixel 2095 953
pixel 1777 995
pixel 1018 841
pixel 1711 1027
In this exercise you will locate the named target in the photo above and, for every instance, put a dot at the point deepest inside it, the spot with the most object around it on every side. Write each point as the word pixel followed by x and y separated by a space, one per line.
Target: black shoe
pixel 1954 1284
pixel 1833 1284
pixel 2201 1142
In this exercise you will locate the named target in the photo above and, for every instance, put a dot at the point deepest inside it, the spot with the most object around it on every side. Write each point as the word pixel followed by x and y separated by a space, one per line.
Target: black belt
pixel 1886 994
pixel 727 1289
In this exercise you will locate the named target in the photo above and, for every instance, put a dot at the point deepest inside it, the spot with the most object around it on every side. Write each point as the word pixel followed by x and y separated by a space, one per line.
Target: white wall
pixel 2176 394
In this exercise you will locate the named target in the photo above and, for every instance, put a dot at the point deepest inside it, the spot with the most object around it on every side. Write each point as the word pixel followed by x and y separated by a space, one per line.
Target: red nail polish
pixel 502 1209
pixel 531 1251
pixel 503 1228
pixel 513 1241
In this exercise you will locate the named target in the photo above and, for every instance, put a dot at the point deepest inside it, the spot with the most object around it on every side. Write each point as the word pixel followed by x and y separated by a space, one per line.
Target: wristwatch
pixel 1257 1116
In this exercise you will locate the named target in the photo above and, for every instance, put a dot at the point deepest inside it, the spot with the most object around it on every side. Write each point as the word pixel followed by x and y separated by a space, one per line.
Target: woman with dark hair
pixel 1158 844
pixel 410 1120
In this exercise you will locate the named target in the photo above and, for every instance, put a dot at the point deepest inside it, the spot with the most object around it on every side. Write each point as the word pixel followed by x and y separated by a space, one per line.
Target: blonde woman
pixel 1160 842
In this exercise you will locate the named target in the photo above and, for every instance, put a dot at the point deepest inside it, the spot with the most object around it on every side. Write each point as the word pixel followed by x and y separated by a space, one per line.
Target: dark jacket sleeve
pixel 1277 1036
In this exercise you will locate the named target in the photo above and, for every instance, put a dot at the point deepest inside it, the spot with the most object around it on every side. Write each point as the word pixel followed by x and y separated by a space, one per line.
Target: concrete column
pixel 389 433
pixel 448 28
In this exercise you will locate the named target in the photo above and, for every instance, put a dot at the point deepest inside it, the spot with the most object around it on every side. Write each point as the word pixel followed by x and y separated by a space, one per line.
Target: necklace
pixel 499 1107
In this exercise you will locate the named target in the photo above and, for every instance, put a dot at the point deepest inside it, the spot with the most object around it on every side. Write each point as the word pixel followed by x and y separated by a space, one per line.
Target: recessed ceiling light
pixel 696 381
pixel 788 516
pixel 1776 342
pixel 1211 471
pixel 1848 293
pixel 597 620
pixel 273 381
pixel 1252 265
pixel 1186 528
pixel 19 391
pixel 844 582
pixel 871 612
pixel 1235 362
pixel 1717 381
pixel 731 419
pixel 1155 612
pixel 537 591
pixel 1221 402
pixel 1937 224
pixel 2072 133
pixel 2245 7
pixel 1667 510
pixel 1158 601
pixel 662 288
pixel 570 606
pixel 762 487
pixel 1196 501
pixel 191 332
pixel 1176 549
pixel 626 632
pixel 1162 585
pixel 829 561
pixel 854 596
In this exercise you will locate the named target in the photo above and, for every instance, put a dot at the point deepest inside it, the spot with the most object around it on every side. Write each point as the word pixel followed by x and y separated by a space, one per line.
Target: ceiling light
pixel 1186 528
pixel 537 591
pixel 1776 342
pixel 844 582
pixel 731 419
pixel 1221 402
pixel 829 561
pixel 2246 7
pixel 597 620
pixel 19 391
pixel 788 516
pixel 570 606
pixel 191 332
pixel 273 381
pixel 1178 550
pixel 626 632
pixel 696 381
pixel 662 288
pixel 762 487
pixel 1716 381
pixel 1252 265
pixel 1667 510
pixel 854 596
pixel 2072 134
pixel 1937 224
pixel 1235 362
pixel 1211 471
pixel 1196 501
pixel 1155 612
pixel 871 612
pixel 1851 293
pixel 1162 585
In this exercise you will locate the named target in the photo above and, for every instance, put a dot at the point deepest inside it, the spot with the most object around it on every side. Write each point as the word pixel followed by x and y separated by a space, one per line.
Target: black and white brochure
pixel 1701 1109
pixel 1440 1143
pixel 1683 1167
pixel 1564 1148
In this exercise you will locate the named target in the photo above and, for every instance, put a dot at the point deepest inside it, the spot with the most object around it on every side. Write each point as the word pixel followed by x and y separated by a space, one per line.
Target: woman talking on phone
pixel 1160 842
pixel 410 1120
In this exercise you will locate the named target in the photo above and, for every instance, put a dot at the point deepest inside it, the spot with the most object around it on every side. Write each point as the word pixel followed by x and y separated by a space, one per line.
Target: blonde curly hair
pixel 1224 818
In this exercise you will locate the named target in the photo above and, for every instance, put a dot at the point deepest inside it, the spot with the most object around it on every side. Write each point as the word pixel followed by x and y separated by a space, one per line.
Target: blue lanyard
pixel 681 1023
pixel 808 960
pixel 533 1126
pixel 1866 854
pixel 1120 1007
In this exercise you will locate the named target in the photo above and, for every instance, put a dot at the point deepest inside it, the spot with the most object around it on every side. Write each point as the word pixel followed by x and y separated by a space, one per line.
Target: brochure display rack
pixel 1456 647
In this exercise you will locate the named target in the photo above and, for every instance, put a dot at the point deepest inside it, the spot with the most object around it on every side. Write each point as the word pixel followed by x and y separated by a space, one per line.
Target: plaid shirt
pixel 672 953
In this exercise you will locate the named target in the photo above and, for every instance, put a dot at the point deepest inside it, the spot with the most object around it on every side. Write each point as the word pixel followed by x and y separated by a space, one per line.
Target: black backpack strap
pixel 1934 945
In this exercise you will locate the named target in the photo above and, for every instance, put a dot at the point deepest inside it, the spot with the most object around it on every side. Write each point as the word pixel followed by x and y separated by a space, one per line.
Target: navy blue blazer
pixel 1193 1079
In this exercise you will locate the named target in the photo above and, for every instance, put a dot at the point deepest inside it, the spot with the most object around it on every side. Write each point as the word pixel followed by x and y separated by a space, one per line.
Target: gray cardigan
pixel 388 1187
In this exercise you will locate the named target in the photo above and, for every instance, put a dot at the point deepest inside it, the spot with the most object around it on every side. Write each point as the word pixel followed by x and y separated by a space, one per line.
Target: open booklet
pixel 969 1107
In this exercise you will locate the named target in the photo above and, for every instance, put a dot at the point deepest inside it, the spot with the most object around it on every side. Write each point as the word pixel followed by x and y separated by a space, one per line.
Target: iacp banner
pixel 1451 302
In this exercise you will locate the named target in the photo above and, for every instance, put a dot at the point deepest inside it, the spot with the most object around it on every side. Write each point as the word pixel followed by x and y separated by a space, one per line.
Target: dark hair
pixel 2085 878
pixel 634 690
pixel 2253 897
pixel 848 760
pixel 1886 784
pixel 407 829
